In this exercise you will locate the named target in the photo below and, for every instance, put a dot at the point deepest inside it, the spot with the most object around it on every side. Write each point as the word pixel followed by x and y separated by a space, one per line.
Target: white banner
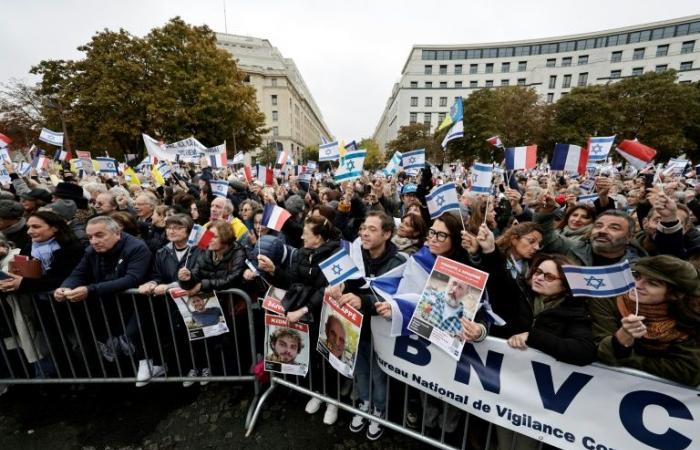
pixel 189 149
pixel 570 407
pixel 51 137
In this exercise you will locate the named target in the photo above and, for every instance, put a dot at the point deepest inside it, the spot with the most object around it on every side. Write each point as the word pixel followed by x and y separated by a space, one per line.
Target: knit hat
pixel 37 194
pixel 10 209
pixel 681 274
pixel 70 191
pixel 66 209
pixel 294 204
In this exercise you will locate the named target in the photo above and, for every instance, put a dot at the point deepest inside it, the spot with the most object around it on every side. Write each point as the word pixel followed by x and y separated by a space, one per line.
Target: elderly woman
pixel 578 221
pixel 661 338
pixel 248 209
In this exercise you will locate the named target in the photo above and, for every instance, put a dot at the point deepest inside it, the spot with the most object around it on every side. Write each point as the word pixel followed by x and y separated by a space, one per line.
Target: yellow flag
pixel 446 122
pixel 157 176
pixel 131 176
pixel 341 149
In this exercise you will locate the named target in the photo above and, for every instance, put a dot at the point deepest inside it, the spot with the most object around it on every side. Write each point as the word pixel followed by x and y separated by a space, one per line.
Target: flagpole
pixel 636 301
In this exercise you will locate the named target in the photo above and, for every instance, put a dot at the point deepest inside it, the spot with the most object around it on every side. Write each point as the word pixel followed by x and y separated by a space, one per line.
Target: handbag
pixel 30 268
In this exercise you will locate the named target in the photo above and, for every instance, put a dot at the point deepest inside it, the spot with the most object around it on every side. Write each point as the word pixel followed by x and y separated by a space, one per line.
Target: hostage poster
pixel 287 346
pixel 201 313
pixel 339 335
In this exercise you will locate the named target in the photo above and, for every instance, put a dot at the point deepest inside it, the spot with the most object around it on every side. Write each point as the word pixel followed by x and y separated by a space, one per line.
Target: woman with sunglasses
pixel 662 337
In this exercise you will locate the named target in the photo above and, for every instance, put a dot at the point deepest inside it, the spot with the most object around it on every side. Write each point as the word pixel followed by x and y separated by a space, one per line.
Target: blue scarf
pixel 43 251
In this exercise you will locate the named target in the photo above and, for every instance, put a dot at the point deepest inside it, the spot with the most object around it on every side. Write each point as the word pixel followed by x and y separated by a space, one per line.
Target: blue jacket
pixel 124 267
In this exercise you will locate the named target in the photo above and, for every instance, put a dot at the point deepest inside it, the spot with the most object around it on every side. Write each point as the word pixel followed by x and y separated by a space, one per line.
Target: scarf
pixel 402 243
pixel 579 234
pixel 43 251
pixel 662 329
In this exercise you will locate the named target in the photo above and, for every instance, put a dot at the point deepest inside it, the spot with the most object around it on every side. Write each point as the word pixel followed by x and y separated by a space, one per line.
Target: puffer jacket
pixel 217 276
pixel 166 265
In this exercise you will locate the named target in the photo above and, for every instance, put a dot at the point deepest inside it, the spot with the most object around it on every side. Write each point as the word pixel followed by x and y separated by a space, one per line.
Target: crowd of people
pixel 93 237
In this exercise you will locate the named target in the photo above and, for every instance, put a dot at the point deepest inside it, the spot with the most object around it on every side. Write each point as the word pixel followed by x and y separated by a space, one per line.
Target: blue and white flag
pixel 339 267
pixel 587 198
pixel 676 166
pixel 393 165
pixel 107 165
pixel 328 151
pixel 481 177
pixel 601 281
pixel 415 159
pixel 165 170
pixel 455 132
pixel 219 188
pixel 351 166
pixel 239 158
pixel 442 199
pixel 51 137
pixel 599 147
pixel 351 146
pixel 412 283
pixel 311 165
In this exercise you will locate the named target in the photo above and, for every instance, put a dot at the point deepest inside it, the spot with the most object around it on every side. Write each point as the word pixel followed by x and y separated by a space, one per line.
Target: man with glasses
pixel 105 203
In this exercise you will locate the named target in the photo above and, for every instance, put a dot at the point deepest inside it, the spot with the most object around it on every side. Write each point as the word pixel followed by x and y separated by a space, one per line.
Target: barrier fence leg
pixel 259 406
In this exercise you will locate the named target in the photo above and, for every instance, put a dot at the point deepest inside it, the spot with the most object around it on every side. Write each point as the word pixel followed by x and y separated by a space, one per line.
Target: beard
pixel 609 245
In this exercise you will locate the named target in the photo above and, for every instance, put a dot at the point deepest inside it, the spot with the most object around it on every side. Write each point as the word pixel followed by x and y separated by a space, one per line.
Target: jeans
pixel 362 376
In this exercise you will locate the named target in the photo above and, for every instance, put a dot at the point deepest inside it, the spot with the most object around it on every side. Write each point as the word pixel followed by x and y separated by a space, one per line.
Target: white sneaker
pixel 204 373
pixel 358 422
pixel 147 371
pixel 331 414
pixel 191 373
pixel 313 405
pixel 375 430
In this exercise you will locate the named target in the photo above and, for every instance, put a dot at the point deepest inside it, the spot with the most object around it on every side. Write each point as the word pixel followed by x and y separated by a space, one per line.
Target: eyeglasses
pixel 175 227
pixel 437 235
pixel 549 277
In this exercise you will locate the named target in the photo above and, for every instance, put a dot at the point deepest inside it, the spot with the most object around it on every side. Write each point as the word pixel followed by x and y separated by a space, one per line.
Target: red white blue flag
pixel 636 153
pixel 274 217
pixel 521 158
pixel 569 158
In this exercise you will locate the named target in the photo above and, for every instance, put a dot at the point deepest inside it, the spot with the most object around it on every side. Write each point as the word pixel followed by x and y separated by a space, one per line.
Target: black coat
pixel 65 259
pixel 166 265
pixel 217 276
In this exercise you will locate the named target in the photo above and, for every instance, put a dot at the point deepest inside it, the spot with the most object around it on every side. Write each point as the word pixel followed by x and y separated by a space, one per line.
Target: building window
pixel 583 79
pixel 458 69
pixel 522 66
pixel 616 57
pixel 550 97
pixel 687 47
pixel 275 131
pixel 615 74
pixel 489 68
pixel 428 101
pixel 566 62
pixel 274 82
pixel 443 69
pixel 687 65
pixel 441 117
pixel 551 62
pixel 564 93
pixel 566 82
pixel 428 70
pixel 662 50
pixel 427 118
pixel 429 84
pixel 413 118
pixel 414 101
pixel 505 67
pixel 443 84
pixel 458 84
pixel 638 53
pixel 521 81
pixel 637 71
pixel 443 101
pixel 473 84
pixel 489 83
pixel 274 100
pixel 414 84
pixel 552 81
pixel 473 68
pixel 582 60
pixel 505 82
pixel 661 68
pixel 275 116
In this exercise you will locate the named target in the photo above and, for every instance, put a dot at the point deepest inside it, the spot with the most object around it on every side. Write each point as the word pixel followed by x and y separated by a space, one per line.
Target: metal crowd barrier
pixel 49 342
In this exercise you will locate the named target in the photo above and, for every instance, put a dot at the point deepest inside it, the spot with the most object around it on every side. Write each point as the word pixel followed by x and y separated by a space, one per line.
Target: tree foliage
pixel 20 113
pixel 412 137
pixel 172 83
pixel 374 158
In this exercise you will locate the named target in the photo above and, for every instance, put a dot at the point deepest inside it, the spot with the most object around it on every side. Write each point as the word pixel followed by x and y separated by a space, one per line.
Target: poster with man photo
pixel 287 346
pixel 272 301
pixel 453 291
pixel 339 335
pixel 201 312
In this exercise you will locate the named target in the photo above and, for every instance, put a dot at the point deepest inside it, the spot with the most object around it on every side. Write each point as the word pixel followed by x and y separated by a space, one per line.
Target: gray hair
pixel 116 191
pixel 108 222
pixel 151 198
pixel 95 188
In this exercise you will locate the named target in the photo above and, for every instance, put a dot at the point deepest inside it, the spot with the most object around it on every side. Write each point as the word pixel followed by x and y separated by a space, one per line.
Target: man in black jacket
pixel 12 223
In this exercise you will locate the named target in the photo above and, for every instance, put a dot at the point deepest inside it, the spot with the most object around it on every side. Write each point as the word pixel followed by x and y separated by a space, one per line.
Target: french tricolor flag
pixel 218 161
pixel 40 162
pixel 200 237
pixel 570 158
pixel 62 155
pixel 521 158
pixel 4 140
pixel 636 153
pixel 274 217
pixel 282 159
pixel 264 175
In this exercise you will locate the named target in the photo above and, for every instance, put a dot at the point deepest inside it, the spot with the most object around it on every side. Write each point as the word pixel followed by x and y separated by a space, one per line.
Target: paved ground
pixel 166 416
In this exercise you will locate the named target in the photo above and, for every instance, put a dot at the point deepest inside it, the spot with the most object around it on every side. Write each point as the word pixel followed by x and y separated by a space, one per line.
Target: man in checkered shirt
pixel 444 309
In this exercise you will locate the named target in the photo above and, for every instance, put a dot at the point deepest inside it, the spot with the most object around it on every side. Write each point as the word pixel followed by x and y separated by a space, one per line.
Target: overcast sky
pixel 350 53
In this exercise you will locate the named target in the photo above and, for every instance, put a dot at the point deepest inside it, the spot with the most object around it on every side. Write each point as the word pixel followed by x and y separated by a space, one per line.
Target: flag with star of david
pixel 481 177
pixel 328 151
pixel 339 267
pixel 351 166
pixel 415 159
pixel 442 199
pixel 600 281
pixel 599 147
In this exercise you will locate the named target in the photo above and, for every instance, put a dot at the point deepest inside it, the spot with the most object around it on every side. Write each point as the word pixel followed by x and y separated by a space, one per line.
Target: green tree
pixel 172 83
pixel 20 113
pixel 309 153
pixel 374 158
pixel 412 137
pixel 267 155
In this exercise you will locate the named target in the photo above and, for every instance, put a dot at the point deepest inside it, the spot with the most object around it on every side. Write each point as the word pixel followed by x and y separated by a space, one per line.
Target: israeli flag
pixel 219 188
pixel 351 166
pixel 442 199
pixel 339 267
pixel 107 165
pixel 599 147
pixel 481 178
pixel 51 137
pixel 408 291
pixel 415 159
pixel 393 166
pixel 587 198
pixel 329 151
pixel 599 282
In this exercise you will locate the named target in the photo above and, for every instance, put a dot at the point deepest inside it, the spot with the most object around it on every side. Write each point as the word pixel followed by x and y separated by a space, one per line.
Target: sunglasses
pixel 549 277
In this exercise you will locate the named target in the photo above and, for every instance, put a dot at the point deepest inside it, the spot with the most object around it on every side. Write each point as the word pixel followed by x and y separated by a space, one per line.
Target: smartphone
pixel 4 276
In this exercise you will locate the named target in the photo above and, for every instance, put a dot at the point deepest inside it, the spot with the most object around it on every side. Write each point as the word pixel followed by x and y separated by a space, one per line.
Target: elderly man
pixel 34 199
pixel 221 209
pixel 13 224
pixel 105 203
